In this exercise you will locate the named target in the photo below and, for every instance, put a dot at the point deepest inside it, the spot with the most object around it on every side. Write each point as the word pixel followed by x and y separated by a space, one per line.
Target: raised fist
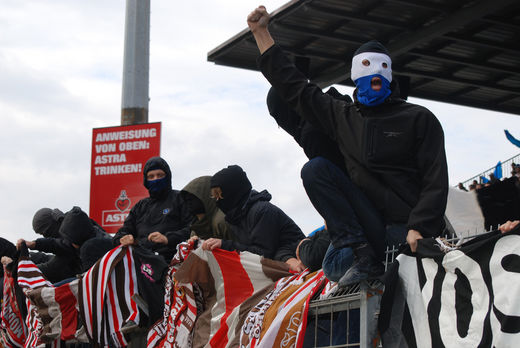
pixel 258 19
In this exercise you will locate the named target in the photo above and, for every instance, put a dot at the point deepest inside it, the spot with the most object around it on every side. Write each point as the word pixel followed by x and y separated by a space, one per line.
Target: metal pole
pixel 134 104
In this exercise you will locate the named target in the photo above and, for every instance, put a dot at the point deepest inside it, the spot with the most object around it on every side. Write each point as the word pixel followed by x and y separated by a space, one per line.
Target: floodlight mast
pixel 136 63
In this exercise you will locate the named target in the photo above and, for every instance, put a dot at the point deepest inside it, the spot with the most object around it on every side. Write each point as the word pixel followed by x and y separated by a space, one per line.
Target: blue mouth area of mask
pixel 367 96
pixel 156 185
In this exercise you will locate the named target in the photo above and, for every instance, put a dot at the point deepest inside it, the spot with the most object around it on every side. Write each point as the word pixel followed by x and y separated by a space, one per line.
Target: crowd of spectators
pixel 493 179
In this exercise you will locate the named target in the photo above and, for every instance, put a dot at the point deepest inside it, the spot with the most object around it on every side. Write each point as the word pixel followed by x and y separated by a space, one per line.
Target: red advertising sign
pixel 116 175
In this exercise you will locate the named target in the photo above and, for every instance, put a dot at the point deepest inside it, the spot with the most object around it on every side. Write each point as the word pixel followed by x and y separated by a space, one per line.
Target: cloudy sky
pixel 60 76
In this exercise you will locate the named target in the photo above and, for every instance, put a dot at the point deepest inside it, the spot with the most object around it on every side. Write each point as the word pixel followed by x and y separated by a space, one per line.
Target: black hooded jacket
pixel 163 212
pixel 264 229
pixel 314 141
pixel 258 226
pixel 394 151
pixel 74 227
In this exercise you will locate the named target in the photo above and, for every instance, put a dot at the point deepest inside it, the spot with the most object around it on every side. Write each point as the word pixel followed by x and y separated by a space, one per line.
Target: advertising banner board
pixel 116 176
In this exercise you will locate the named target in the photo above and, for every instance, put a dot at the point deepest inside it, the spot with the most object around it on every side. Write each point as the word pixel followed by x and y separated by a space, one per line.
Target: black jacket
pixel 64 264
pixel 167 215
pixel 264 229
pixel 313 249
pixel 314 141
pixel 164 211
pixel 394 151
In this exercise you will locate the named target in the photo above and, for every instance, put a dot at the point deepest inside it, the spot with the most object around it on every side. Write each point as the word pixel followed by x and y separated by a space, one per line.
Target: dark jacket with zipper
pixel 167 215
pixel 394 151
pixel 262 228
pixel 164 211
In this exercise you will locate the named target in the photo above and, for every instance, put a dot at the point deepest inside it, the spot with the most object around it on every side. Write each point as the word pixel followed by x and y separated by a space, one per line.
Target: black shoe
pixel 365 266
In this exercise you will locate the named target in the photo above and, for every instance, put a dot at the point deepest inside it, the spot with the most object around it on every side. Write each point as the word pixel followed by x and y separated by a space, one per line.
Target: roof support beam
pixel 466 62
pixel 482 104
pixel 344 15
pixel 456 20
pixel 450 79
pixel 501 47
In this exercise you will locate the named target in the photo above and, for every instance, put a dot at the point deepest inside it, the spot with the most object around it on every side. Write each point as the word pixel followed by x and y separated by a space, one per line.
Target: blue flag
pixel 498 170
pixel 512 138
pixel 484 179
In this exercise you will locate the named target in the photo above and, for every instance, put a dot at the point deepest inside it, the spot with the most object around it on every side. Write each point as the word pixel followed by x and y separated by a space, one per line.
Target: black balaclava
pixel 76 226
pixel 371 60
pixel 47 221
pixel 161 187
pixel 195 205
pixel 235 187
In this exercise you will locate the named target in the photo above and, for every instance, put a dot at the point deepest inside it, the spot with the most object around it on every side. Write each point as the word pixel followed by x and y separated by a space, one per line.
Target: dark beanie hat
pixel 372 46
pixel 76 226
pixel 46 222
pixel 235 187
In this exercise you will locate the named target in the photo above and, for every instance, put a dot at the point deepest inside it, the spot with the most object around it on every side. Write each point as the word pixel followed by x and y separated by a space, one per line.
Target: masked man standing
pixel 396 183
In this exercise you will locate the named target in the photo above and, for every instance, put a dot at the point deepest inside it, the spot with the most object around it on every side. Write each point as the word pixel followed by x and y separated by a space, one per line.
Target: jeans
pixel 338 261
pixel 350 216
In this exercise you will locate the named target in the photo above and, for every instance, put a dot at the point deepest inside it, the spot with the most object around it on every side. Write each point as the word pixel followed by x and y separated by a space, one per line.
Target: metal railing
pixel 348 317
pixel 506 171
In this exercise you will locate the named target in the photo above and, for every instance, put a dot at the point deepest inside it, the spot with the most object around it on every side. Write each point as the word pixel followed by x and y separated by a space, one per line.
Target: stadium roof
pixel 461 52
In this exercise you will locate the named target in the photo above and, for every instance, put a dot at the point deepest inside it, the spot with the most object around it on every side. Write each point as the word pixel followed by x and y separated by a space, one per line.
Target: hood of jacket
pixel 201 189
pixel 76 226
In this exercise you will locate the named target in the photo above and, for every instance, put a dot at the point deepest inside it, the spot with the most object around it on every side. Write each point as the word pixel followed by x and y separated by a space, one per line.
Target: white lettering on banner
pixel 416 303
pixel 479 300
pixel 501 279
pixel 489 295
pixel 115 158
pixel 134 145
pixel 126 135
pixel 119 169
pixel 104 148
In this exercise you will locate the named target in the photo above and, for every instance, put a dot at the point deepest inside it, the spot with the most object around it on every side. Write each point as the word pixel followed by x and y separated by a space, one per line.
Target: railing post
pixel 370 301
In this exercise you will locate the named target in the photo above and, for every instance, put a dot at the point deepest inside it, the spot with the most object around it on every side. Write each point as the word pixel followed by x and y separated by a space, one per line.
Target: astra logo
pixel 123 202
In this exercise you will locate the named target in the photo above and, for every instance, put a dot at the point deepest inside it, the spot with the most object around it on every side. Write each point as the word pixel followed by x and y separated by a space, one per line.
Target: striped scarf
pixel 180 309
pixel 232 284
pixel 280 318
pixel 13 331
pixel 106 297
pixel 58 312
pixel 31 278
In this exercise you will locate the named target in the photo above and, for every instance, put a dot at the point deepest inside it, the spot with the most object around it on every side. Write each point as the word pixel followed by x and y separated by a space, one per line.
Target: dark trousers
pixel 350 216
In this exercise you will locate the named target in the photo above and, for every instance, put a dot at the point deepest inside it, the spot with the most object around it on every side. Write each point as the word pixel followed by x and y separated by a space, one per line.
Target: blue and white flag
pixel 512 138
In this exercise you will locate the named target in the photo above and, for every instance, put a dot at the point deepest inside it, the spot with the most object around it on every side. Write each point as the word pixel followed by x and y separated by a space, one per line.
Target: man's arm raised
pixel 257 22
